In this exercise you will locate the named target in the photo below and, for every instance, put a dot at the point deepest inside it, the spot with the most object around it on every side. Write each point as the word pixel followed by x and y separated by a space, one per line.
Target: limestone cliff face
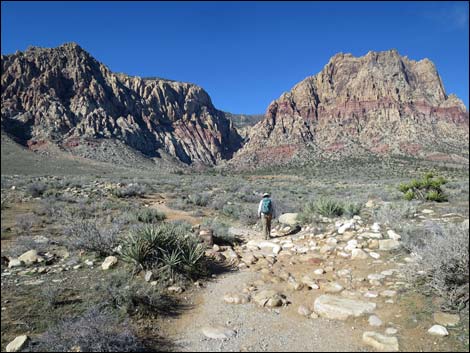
pixel 63 94
pixel 381 103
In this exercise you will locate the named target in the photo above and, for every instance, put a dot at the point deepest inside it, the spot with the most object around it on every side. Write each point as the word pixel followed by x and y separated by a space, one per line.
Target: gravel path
pixel 257 329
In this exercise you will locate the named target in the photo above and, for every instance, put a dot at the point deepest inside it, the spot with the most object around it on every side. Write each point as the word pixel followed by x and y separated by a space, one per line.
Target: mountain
pixel 63 96
pixel 381 104
pixel 244 122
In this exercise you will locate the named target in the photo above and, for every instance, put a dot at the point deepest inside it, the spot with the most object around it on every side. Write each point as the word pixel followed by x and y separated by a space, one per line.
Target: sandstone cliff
pixel 381 103
pixel 63 95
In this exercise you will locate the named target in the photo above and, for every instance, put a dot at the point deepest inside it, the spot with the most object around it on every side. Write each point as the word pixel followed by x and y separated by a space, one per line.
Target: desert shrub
pixel 442 264
pixel 48 207
pixel 36 189
pixel 95 331
pixel 130 190
pixel 25 222
pixel 352 209
pixel 393 212
pixel 427 188
pixel 200 199
pixel 220 233
pixel 248 215
pixel 231 210
pixel 5 201
pixel 328 207
pixel 149 215
pixel 82 234
pixel 180 203
pixel 219 201
pixel 50 293
pixel 166 247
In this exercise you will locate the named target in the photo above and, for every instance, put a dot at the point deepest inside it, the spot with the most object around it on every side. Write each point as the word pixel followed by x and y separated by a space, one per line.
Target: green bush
pixel 149 215
pixel 200 199
pixel 329 207
pixel 427 188
pixel 353 209
pixel 166 247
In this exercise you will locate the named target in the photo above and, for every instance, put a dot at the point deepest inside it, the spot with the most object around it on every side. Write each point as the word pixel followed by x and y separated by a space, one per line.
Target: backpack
pixel 266 206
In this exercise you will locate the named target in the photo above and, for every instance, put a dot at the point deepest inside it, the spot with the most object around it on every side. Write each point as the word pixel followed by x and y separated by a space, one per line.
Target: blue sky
pixel 244 54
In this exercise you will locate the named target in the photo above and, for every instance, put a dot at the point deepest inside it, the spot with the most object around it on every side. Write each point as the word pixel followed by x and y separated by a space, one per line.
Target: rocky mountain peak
pixel 378 103
pixel 63 94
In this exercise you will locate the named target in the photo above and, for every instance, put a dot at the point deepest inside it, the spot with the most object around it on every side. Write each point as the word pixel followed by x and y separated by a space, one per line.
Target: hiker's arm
pixel 259 208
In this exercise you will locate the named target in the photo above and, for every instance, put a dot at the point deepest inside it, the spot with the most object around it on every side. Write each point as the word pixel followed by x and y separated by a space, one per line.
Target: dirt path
pixel 256 329
pixel 159 202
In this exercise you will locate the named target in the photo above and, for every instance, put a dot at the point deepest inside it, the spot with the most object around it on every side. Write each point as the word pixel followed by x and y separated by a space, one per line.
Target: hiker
pixel 266 211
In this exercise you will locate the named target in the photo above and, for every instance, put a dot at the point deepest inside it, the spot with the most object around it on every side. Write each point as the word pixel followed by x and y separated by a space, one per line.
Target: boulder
pixel 289 219
pixel 380 342
pixel 339 308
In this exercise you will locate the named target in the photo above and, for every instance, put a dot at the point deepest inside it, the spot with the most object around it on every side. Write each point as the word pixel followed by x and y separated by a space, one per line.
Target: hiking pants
pixel 266 219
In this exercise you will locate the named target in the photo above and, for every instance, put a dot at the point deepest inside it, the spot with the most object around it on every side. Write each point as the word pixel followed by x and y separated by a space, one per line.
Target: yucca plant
pixel 329 208
pixel 166 247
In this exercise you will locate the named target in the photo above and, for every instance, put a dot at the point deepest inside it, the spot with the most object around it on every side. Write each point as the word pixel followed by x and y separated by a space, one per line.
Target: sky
pixel 244 54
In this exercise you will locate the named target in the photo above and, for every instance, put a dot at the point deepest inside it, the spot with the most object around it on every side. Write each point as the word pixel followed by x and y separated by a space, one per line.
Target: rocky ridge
pixel 64 96
pixel 381 103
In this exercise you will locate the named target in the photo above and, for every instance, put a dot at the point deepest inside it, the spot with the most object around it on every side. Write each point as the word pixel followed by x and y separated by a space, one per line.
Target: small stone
pixel 15 263
pixel 175 289
pixel 109 262
pixel 392 235
pixel 148 276
pixel 77 267
pixel 388 293
pixel 375 227
pixel 231 298
pixel 438 330
pixel 388 244
pixel 391 331
pixel 358 254
pixel 332 287
pixel 218 332
pixel 304 311
pixel 89 262
pixel 374 255
pixel 380 342
pixel 375 320
pixel 17 344
pixel 319 271
pixel 446 319
pixel 30 257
